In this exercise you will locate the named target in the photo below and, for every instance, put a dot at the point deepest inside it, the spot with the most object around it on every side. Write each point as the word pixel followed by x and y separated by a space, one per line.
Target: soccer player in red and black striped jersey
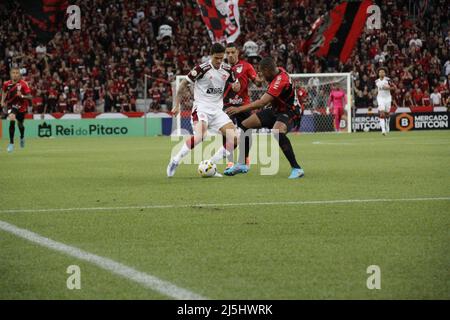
pixel 245 73
pixel 283 114
pixel 16 95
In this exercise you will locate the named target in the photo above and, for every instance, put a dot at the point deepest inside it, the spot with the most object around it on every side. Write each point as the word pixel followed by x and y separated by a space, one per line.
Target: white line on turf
pixel 199 205
pixel 146 280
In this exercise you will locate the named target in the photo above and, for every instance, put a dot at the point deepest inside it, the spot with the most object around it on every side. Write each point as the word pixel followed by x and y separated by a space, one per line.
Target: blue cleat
pixel 236 169
pixel 10 148
pixel 297 173
pixel 22 143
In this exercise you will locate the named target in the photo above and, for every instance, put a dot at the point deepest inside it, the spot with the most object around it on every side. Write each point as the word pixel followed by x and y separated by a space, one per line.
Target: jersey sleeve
pixel 194 74
pixel 25 88
pixel 276 87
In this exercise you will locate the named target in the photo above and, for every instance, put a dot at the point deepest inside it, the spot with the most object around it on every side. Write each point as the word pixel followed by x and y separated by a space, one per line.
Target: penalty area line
pixel 202 205
pixel 149 281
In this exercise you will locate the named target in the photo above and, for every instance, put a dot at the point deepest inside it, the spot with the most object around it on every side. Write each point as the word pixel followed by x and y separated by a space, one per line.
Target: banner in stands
pixel 403 121
pixel 334 34
pixel 134 127
pixel 221 18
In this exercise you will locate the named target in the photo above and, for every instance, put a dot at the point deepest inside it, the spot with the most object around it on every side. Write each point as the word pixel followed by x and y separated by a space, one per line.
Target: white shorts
pixel 215 120
pixel 384 105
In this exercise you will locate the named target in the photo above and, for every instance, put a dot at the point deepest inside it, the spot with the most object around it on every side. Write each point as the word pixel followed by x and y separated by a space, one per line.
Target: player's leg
pixel 254 121
pixel 230 157
pixel 223 124
pixel 381 114
pixel 12 130
pixel 281 130
pixel 20 122
pixel 337 119
pixel 245 139
pixel 200 130
pixel 388 115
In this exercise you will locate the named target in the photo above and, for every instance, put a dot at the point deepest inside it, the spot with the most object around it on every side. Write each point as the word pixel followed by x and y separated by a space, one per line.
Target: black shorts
pixel 20 116
pixel 268 117
pixel 239 117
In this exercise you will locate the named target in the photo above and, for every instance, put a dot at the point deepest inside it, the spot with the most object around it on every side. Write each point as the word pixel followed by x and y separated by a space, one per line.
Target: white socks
pixel 182 153
pixel 383 125
pixel 220 154
pixel 387 125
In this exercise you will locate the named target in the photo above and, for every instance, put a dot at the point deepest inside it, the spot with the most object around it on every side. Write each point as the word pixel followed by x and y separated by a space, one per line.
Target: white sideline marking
pixel 199 205
pixel 147 280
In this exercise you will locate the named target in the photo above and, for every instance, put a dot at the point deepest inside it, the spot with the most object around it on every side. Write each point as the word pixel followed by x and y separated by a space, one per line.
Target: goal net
pixel 313 92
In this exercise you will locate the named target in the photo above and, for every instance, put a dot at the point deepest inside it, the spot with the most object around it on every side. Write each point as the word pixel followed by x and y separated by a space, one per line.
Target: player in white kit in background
pixel 384 99
pixel 209 80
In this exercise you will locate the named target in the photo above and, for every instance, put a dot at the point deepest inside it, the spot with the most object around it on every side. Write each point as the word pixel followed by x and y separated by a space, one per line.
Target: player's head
pixel 382 72
pixel 217 54
pixel 268 68
pixel 232 53
pixel 15 74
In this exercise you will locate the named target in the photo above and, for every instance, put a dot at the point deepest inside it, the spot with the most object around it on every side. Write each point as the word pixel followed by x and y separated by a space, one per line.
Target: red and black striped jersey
pixel 283 92
pixel 12 93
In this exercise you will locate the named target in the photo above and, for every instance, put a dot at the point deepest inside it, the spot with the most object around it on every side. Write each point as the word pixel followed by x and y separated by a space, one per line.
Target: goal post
pixel 312 90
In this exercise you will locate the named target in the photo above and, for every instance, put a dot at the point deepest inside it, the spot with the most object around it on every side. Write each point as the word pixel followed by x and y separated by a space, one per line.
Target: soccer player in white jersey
pixel 384 99
pixel 209 80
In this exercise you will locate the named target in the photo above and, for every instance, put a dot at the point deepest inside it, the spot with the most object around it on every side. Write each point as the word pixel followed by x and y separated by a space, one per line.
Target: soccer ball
pixel 207 169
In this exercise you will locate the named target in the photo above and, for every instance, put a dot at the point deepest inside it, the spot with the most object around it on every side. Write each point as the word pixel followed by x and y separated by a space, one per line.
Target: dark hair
pixel 217 48
pixel 267 63
pixel 232 45
pixel 382 68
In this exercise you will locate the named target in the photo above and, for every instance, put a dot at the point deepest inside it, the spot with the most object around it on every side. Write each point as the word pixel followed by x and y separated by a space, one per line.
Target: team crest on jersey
pixel 239 69
pixel 224 77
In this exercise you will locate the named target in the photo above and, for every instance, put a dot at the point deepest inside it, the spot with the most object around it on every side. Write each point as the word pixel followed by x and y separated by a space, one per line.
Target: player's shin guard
pixel 286 147
pixel 12 131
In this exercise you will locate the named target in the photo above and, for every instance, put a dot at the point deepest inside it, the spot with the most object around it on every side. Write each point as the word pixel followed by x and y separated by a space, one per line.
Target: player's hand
pixel 231 111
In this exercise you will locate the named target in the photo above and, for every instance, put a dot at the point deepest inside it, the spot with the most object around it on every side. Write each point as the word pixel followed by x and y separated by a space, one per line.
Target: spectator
pixel 436 98
pixel 89 105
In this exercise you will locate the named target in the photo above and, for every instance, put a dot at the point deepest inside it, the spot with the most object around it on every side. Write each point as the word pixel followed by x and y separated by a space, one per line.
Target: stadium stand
pixel 102 66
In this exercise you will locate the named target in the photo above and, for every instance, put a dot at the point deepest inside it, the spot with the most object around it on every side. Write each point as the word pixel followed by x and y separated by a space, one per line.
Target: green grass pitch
pixel 306 249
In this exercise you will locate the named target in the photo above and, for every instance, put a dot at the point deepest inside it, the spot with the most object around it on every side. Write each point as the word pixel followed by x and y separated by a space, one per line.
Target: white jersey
pixel 209 86
pixel 383 93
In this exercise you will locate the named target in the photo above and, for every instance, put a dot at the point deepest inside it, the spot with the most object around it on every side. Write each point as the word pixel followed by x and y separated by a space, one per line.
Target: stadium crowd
pixel 102 66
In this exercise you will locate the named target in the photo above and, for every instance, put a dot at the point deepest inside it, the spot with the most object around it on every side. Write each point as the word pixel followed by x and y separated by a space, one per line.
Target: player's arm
pixel 255 77
pixel 258 81
pixel 26 94
pixel 234 81
pixel 181 90
pixel 258 104
pixel 3 92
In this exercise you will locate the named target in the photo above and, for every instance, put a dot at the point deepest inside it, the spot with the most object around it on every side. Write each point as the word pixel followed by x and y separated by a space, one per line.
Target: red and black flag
pixel 46 17
pixel 221 18
pixel 335 34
